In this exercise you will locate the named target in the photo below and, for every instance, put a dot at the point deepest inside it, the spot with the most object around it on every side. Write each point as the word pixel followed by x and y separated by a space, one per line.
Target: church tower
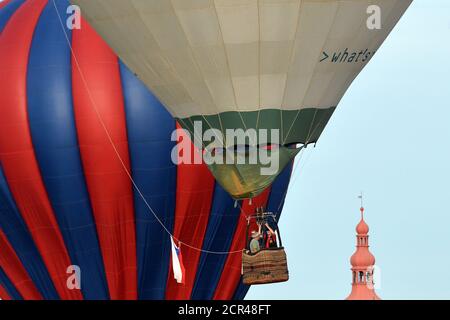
pixel 362 262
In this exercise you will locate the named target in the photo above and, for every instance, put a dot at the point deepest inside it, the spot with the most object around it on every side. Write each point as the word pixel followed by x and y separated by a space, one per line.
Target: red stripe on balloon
pixel 12 266
pixel 109 186
pixel 3 294
pixel 231 273
pixel 4 3
pixel 195 188
pixel 16 149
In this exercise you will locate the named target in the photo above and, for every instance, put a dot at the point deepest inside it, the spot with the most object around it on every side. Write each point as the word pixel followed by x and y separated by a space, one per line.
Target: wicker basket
pixel 265 266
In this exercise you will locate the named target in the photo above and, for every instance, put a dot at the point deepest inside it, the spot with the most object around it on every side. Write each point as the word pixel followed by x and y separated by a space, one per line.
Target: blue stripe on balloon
pixel 274 204
pixel 54 136
pixel 149 129
pixel 16 231
pixel 222 223
pixel 8 11
pixel 278 191
pixel 9 286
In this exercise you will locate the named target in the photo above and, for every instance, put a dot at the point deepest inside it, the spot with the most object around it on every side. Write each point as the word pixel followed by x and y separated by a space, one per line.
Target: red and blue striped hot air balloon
pixel 71 126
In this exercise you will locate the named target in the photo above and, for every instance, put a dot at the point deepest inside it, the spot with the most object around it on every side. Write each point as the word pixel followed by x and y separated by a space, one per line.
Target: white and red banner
pixel 177 263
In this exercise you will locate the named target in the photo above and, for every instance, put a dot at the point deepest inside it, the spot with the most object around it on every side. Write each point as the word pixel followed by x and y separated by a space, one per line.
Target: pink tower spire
pixel 362 262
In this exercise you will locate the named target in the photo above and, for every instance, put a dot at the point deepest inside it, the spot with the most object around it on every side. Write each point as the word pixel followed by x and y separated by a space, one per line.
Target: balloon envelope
pixel 70 125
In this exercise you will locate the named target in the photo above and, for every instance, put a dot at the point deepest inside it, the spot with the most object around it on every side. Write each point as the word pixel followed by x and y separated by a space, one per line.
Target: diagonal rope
pixel 310 80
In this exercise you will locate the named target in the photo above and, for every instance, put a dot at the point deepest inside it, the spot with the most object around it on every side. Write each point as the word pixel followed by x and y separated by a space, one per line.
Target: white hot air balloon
pixel 247 64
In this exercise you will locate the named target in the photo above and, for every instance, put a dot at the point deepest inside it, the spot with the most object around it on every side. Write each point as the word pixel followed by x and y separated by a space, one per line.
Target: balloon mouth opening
pixel 245 171
pixel 296 145
pixel 242 149
pixel 246 149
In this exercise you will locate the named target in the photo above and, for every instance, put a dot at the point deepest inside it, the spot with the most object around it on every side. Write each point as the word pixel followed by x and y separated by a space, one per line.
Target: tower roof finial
pixel 362 206
pixel 362 227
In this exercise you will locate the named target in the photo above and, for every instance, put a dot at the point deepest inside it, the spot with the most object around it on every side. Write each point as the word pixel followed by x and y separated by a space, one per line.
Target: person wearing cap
pixel 254 243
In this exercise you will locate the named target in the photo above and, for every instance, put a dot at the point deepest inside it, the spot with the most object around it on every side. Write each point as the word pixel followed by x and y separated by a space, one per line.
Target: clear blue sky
pixel 390 138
